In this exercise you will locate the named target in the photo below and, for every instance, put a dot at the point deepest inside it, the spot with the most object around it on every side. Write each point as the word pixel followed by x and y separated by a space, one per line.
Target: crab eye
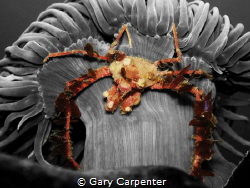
pixel 119 56
pixel 123 72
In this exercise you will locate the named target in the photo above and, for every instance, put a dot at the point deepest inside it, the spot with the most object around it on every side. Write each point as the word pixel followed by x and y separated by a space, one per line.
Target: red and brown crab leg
pixel 203 120
pixel 123 29
pixel 88 52
pixel 178 59
pixel 65 105
pixel 116 54
pixel 191 73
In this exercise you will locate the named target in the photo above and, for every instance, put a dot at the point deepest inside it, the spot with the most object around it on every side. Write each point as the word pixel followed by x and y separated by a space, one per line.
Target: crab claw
pixel 131 100
pixel 113 98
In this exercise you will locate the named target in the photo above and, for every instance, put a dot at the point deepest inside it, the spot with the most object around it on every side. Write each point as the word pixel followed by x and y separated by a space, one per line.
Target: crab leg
pixel 66 53
pixel 66 105
pixel 68 114
pixel 203 120
pixel 195 73
pixel 88 51
pixel 178 59
pixel 116 54
pixel 178 83
pixel 120 33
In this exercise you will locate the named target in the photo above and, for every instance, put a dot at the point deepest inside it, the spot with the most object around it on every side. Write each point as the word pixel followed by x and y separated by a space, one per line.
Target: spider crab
pixel 132 75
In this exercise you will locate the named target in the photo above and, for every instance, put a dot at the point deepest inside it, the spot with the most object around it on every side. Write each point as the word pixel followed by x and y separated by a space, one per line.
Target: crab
pixel 132 75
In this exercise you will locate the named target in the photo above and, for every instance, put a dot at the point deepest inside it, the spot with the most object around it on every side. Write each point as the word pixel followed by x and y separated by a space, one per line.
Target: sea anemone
pixel 157 131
